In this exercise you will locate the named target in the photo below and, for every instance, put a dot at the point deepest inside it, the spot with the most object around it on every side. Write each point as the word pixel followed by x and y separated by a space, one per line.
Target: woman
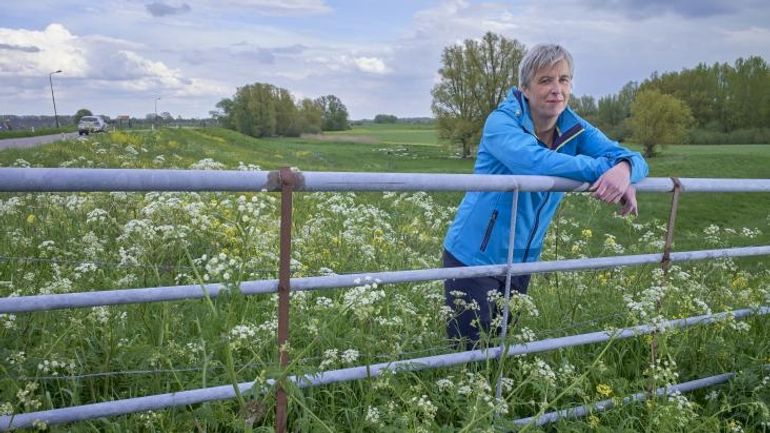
pixel 532 132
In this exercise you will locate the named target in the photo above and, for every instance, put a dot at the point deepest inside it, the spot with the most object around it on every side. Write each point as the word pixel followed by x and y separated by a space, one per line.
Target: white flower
pixel 445 384
pixel 372 415
pixel 349 356
pixel 324 302
pixel 329 358
pixel 101 314
pixel 96 215
pixel 8 320
pixel 6 408
pixel 424 405
pixel 207 164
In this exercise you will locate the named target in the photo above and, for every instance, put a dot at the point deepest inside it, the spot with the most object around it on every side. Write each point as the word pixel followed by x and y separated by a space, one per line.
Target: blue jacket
pixel 479 233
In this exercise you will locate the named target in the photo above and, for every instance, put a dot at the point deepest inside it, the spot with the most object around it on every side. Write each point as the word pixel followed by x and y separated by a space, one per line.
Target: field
pixel 60 243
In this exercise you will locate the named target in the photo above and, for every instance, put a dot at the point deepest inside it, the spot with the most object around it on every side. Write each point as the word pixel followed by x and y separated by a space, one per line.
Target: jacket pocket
pixel 488 231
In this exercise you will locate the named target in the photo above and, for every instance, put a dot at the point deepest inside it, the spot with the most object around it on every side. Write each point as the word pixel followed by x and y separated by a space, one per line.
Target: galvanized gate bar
pixel 224 392
pixel 600 406
pixel 118 179
pixel 111 179
pixel 22 304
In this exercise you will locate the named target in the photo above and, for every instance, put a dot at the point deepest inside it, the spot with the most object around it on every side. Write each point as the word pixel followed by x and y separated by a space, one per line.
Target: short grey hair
pixel 541 56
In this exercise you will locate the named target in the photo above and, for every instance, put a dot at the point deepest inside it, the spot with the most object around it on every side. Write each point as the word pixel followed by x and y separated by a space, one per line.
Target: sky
pixel 379 57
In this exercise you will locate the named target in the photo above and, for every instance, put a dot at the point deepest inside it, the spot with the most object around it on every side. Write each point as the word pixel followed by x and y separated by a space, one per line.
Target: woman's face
pixel 548 93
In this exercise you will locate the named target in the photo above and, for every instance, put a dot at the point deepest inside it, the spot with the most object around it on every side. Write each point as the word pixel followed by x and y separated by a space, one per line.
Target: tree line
pixel 264 110
pixel 722 98
pixel 721 103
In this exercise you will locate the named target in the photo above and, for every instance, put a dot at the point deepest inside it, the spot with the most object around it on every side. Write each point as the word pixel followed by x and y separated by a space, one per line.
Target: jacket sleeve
pixel 520 152
pixel 596 145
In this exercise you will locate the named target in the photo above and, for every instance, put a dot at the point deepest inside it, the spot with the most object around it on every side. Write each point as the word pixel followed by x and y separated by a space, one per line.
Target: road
pixel 35 141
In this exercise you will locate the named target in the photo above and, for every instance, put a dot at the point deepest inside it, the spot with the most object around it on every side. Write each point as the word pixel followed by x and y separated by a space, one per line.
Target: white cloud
pixel 91 57
pixel 49 50
pixel 458 18
pixel 136 66
pixel 282 7
pixel 372 65
pixel 94 68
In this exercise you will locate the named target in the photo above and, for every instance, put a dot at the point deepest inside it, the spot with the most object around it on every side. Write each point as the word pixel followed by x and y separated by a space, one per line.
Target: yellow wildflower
pixel 604 277
pixel 739 282
pixel 604 390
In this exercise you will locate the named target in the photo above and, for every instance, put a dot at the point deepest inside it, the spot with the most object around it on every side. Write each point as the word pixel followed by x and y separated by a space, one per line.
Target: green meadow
pixel 81 242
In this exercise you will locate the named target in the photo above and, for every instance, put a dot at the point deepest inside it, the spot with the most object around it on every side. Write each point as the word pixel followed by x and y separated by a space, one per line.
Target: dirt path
pixel 345 138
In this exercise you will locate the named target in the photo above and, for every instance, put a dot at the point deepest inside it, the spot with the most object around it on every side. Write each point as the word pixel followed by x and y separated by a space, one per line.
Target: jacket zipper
pixel 488 232
pixel 537 214
pixel 534 228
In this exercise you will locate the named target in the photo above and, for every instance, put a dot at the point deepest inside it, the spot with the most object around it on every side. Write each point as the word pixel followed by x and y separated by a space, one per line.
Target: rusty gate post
pixel 287 180
pixel 665 262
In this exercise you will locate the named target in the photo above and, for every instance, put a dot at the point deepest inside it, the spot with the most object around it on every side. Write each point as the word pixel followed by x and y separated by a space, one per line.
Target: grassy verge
pixel 36 132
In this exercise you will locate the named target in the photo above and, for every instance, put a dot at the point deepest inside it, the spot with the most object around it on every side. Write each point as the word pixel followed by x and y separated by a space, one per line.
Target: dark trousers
pixel 467 325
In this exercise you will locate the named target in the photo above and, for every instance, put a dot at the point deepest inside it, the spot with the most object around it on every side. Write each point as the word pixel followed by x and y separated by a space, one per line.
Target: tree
pixel 252 111
pixel 80 114
pixel 474 79
pixel 702 89
pixel 385 118
pixel 585 105
pixel 223 113
pixel 723 98
pixel 287 122
pixel 657 118
pixel 750 92
pixel 260 103
pixel 264 110
pixel 311 115
pixel 613 110
pixel 335 114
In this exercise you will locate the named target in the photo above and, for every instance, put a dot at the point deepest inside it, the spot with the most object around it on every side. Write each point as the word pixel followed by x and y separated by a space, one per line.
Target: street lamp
pixel 50 81
pixel 155 119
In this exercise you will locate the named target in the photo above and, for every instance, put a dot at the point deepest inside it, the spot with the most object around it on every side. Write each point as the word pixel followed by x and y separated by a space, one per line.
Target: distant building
pixel 123 121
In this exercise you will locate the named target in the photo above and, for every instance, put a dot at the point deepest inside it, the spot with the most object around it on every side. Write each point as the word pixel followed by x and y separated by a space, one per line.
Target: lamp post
pixel 50 81
pixel 155 119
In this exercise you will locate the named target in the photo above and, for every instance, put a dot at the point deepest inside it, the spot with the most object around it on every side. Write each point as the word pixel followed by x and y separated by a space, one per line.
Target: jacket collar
pixel 516 104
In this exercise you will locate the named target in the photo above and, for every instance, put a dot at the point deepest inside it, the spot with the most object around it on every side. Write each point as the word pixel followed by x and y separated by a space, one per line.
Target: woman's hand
pixel 628 204
pixel 612 185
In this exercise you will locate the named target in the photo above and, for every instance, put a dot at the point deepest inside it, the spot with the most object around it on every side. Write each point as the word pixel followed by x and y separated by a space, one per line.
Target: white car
pixel 89 124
